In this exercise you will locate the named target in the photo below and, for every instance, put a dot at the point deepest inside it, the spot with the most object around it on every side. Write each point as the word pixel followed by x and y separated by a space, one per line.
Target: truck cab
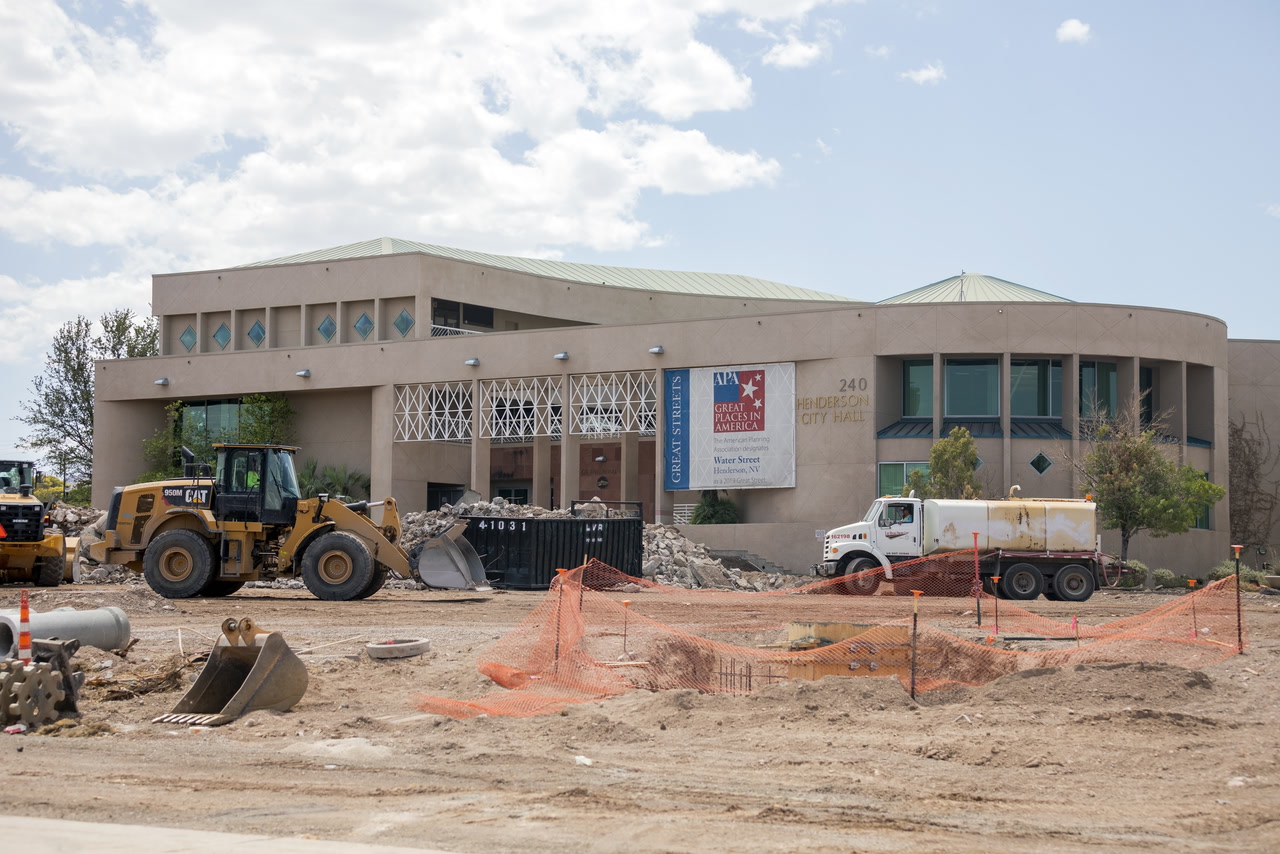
pixel 889 532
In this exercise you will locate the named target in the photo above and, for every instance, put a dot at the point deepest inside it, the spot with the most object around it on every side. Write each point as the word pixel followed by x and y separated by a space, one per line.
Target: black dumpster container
pixel 525 553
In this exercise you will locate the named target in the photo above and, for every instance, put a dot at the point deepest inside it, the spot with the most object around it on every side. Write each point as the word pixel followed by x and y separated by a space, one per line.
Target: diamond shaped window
pixel 403 322
pixel 1041 463
pixel 222 336
pixel 188 338
pixel 327 328
pixel 364 325
pixel 257 333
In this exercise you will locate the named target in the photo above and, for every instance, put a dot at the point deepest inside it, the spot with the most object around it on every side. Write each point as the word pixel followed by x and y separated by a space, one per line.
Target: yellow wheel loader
pixel 210 532
pixel 29 551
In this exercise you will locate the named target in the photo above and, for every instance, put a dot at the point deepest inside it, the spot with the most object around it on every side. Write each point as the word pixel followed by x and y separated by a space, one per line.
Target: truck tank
pixel 1023 525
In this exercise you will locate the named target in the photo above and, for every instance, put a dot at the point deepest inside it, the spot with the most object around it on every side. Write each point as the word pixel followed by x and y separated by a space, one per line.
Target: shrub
pixel 714 510
pixel 1138 574
pixel 1248 575
pixel 1166 578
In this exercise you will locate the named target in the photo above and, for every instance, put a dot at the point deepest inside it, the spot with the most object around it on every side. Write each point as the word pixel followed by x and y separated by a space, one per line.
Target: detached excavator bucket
pixel 449 562
pixel 249 669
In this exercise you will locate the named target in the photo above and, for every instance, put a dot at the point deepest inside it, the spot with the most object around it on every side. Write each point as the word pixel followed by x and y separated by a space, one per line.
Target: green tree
pixel 952 464
pixel 60 413
pixel 266 419
pixel 314 479
pixel 1137 486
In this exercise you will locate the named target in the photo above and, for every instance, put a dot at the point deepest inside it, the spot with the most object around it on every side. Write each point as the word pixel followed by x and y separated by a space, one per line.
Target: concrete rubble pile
pixel 670 558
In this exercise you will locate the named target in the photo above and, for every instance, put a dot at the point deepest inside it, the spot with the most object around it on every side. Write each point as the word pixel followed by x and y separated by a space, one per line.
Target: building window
pixel 327 328
pixel 477 315
pixel 446 313
pixel 188 338
pixel 1035 388
pixel 893 476
pixel 1146 387
pixel 1099 389
pixel 403 322
pixel 257 333
pixel 917 388
pixel 1202 521
pixel 222 337
pixel 972 388
pixel 1041 463
pixel 363 325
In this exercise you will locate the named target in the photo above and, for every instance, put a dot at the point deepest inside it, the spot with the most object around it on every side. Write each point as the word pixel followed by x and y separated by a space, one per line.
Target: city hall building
pixel 438 370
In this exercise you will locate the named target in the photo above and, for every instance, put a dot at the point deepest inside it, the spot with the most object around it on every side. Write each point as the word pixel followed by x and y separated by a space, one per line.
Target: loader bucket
pixel 249 669
pixel 449 562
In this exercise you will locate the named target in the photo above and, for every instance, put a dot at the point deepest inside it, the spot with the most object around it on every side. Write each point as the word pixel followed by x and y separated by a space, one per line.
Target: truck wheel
pixel 49 571
pixel 1073 583
pixel 178 564
pixel 1021 581
pixel 865 585
pixel 337 567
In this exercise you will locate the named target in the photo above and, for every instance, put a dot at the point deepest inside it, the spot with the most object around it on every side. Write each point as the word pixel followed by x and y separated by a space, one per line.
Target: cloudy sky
pixel 1107 152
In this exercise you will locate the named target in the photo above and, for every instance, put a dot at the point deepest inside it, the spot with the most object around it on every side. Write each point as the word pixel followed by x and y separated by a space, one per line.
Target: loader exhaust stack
pixel 249 669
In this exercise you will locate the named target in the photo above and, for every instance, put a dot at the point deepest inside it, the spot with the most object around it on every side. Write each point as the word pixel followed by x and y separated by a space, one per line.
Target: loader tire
pixel 338 567
pixel 379 579
pixel 217 588
pixel 178 564
pixel 49 571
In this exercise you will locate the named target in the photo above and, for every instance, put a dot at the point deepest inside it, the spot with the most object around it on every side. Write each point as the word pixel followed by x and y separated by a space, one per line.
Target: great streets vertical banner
pixel 730 428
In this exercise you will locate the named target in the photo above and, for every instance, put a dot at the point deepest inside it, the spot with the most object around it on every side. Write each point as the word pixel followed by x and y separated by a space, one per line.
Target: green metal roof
pixel 973 287
pixel 670 281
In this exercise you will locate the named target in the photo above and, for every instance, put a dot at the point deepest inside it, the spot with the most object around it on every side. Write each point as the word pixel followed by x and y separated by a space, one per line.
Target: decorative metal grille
pixel 608 405
pixel 520 409
pixel 451 331
pixel 440 412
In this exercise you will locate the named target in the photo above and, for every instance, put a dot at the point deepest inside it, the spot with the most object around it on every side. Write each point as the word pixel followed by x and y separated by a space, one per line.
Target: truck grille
pixel 23 523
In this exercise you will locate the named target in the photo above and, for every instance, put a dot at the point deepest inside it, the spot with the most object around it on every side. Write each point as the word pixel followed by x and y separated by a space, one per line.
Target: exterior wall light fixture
pixel 656 351
pixel 162 381
pixel 563 355
pixel 305 373
pixel 602 459
pixel 474 363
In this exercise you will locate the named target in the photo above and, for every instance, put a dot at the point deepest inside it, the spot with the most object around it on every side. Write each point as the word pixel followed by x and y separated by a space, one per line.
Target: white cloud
pixel 1273 210
pixel 217 134
pixel 1074 30
pixel 879 51
pixel 794 53
pixel 933 73
pixel 823 148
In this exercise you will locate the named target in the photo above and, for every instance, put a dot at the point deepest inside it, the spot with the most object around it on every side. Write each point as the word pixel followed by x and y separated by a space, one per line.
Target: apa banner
pixel 730 428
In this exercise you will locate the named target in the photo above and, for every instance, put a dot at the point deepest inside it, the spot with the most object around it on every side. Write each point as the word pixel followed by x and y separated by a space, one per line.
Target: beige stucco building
pixel 437 370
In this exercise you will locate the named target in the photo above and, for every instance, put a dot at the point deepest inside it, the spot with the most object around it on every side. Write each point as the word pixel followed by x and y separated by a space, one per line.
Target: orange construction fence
pixel 599 633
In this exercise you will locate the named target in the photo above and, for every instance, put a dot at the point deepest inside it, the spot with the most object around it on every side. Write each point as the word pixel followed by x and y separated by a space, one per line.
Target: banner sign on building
pixel 730 428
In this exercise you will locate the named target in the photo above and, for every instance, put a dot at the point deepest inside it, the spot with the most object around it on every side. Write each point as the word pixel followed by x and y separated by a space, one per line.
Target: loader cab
pixel 14 475
pixel 256 483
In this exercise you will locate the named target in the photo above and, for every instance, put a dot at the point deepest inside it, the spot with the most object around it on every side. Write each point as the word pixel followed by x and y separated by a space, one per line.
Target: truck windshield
pixel 873 512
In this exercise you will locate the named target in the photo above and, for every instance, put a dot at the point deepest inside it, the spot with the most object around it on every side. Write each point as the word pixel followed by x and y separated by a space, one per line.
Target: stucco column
pixel 479 446
pixel 541 496
pixel 937 396
pixel 661 500
pixel 1180 414
pixel 382 407
pixel 630 466
pixel 1128 389
pixel 1006 419
pixel 1071 411
pixel 570 464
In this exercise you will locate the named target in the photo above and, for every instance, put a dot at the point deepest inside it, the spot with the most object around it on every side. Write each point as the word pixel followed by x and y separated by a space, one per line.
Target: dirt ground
pixel 1136 757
